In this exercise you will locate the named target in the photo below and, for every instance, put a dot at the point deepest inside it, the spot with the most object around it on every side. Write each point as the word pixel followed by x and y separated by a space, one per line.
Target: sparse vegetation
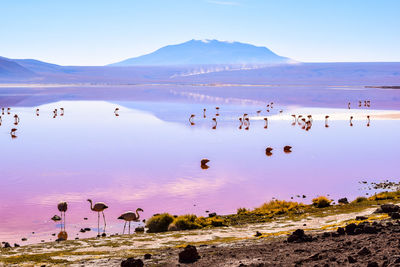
pixel 321 202
pixel 359 200
pixel 159 223
pixel 279 207
pixel 385 195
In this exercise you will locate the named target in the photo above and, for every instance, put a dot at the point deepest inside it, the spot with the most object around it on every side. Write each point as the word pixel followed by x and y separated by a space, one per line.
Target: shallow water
pixel 149 157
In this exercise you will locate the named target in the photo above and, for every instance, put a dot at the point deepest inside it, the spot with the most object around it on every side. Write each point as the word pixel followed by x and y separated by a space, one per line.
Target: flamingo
pixel 348 105
pixel 1 120
pixel 351 120
pixel 116 112
pixel 62 207
pixel 203 164
pixel 204 113
pixel 247 123
pixel 258 112
pixel 215 125
pixel 62 111
pixel 16 119
pixel 287 149
pixel 326 121
pixel 268 151
pixel 190 119
pixel 8 111
pixel 266 123
pixel 368 118
pixel 12 132
pixel 130 216
pixel 99 207
pixel 294 117
pixel 2 111
pixel 37 112
pixel 241 123
pixel 359 103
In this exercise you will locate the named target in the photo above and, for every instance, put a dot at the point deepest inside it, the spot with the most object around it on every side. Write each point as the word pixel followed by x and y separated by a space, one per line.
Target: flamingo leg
pixel 124 228
pixel 98 223
pixel 104 218
pixel 129 227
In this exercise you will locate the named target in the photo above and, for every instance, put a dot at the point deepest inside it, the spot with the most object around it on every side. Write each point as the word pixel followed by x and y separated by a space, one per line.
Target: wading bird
pixel 348 105
pixel 130 216
pixel 116 112
pixel 191 118
pixel 368 120
pixel 203 164
pixel 268 151
pixel 247 123
pixel 266 123
pixel 204 113
pixel 287 149
pixel 16 119
pixel 351 121
pixel 215 125
pixel 37 112
pixel 8 111
pixel 99 207
pixel 62 208
pixel 12 133
pixel 241 123
pixel 326 121
pixel 62 111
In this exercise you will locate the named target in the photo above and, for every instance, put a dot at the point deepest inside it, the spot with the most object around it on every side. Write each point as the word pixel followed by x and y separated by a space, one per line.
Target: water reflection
pixel 143 161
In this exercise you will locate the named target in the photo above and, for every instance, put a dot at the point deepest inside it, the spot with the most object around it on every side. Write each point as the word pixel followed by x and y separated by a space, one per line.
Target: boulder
pixel 394 215
pixel 361 218
pixel 139 229
pixel 343 201
pixel 341 231
pixel 351 259
pixel 7 245
pixel 364 251
pixel 131 262
pixel 372 264
pixel 147 256
pixel 349 229
pixel 212 214
pixel 298 236
pixel 386 208
pixel 188 255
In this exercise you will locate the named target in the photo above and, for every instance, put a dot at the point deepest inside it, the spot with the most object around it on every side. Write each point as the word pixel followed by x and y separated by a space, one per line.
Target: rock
pixel 212 214
pixel 364 251
pixel 131 262
pixel 349 229
pixel 394 215
pixel 85 218
pixel 299 236
pixel 368 229
pixel 361 218
pixel 82 230
pixel 103 235
pixel 378 210
pixel 188 255
pixel 24 239
pixel 372 264
pixel 258 234
pixel 16 245
pixel 358 231
pixel 139 229
pixel 343 201
pixel 147 256
pixel 386 208
pixel 326 234
pixel 340 231
pixel 87 229
pixel 7 245
pixel 58 239
pixel 351 259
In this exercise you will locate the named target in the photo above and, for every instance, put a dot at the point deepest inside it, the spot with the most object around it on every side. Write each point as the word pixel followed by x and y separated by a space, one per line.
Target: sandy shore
pixel 215 244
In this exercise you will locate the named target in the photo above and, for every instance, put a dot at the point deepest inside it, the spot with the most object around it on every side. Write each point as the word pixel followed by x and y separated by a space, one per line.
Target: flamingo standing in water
pixel 247 123
pixel 295 119
pixel 8 111
pixel 62 207
pixel 190 119
pixel 37 112
pixel 16 119
pixel 368 120
pixel 99 207
pixel 116 112
pixel 217 114
pixel 326 121
pixel 203 164
pixel 215 125
pixel 359 103
pixel 12 133
pixel 1 120
pixel 351 121
pixel 266 123
pixel 130 216
pixel 268 151
pixel 204 113
pixel 348 105
pixel 62 111
pixel 241 123
pixel 2 111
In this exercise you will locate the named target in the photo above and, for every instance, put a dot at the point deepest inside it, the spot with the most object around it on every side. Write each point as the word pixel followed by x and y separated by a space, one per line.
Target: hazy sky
pixel 98 32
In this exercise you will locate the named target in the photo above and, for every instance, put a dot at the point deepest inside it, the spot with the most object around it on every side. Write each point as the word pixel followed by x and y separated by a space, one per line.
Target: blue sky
pixel 98 32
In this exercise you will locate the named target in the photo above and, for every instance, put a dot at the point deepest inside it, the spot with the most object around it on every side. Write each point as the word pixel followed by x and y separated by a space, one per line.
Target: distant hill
pixel 10 69
pixel 208 52
pixel 38 66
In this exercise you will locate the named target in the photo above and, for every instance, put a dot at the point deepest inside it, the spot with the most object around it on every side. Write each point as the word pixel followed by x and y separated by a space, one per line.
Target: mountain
pixel 207 52
pixel 10 69
pixel 38 66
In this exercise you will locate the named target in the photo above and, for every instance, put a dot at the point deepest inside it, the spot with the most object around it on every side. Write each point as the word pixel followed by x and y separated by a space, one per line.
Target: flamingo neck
pixel 137 214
